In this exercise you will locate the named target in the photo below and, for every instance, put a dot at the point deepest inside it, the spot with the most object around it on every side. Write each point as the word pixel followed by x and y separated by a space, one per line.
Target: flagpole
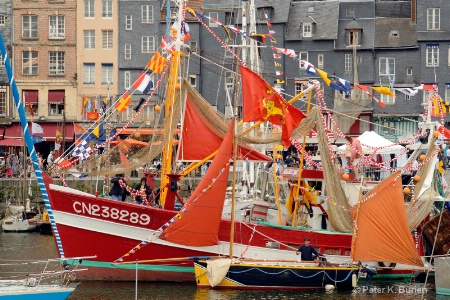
pixel 29 143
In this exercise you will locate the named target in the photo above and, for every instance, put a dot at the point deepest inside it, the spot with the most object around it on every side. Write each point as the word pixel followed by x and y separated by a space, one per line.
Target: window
pixel 107 39
pixel 229 18
pixel 433 19
pixel 387 66
pixel 307 30
pixel 128 22
pixel 193 46
pixel 320 60
pixel 311 10
pixel 56 64
pixel 432 55
pixel 55 109
pixel 364 124
pixel 350 12
pixel 148 44
pixel 147 13
pixel 303 56
pixel 409 71
pixel 107 70
pixel 348 62
pixel 387 99
pixel 353 38
pixel 193 80
pixel 264 13
pixel 89 8
pixel 127 80
pixel 89 39
pixel 29 26
pixel 3 101
pixel 127 51
pixel 88 73
pixel 107 8
pixel 229 80
pixel 57 29
pixel 2 20
pixel 213 18
pixel 300 86
pixel 30 63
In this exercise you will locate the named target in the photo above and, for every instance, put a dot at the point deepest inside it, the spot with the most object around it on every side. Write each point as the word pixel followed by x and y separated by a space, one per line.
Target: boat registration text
pixel 108 212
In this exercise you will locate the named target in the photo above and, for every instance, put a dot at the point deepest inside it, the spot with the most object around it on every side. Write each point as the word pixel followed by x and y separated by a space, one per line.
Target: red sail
pixel 382 232
pixel 199 140
pixel 197 224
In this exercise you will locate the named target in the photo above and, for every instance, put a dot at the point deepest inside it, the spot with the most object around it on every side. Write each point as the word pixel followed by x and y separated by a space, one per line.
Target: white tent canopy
pixel 370 140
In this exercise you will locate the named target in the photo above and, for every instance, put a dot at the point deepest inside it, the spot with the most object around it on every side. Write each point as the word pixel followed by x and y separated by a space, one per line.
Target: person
pixel 141 188
pixel 353 153
pixel 50 161
pixel 289 161
pixel 117 191
pixel 379 160
pixel 307 251
pixel 8 166
pixel 415 167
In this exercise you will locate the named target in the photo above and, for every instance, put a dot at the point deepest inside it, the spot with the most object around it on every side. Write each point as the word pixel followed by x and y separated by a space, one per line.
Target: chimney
pixel 413 10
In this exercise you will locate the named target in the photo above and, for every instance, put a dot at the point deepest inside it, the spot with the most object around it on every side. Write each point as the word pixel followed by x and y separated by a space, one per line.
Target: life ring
pixel 387 264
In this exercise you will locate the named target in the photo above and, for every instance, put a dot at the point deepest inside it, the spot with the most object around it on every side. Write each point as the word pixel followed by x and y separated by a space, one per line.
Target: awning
pixel 15 131
pixel 145 131
pixel 12 142
pixel 56 96
pixel 30 96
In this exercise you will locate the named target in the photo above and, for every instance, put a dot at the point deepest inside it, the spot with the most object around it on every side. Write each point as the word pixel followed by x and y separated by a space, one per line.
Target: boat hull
pixel 277 276
pixel 109 229
pixel 40 292
pixel 18 225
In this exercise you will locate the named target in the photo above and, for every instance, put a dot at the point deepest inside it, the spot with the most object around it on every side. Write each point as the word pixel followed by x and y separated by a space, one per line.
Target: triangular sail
pixel 197 224
pixel 381 230
pixel 200 137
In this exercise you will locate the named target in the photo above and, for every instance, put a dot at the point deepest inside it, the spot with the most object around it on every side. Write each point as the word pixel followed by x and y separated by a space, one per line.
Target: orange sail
pixel 381 232
pixel 197 224
pixel 199 140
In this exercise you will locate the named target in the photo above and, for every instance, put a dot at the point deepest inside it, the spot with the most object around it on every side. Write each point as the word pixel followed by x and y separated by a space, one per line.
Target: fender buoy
pixel 387 264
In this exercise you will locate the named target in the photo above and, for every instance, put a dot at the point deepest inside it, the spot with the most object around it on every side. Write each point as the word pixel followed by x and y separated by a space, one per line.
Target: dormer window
pixel 264 13
pixel 307 29
pixel 311 10
pixel 394 33
pixel 353 39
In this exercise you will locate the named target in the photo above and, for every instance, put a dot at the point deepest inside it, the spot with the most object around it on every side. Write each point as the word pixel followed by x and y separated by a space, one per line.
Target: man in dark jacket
pixel 307 251
pixel 117 191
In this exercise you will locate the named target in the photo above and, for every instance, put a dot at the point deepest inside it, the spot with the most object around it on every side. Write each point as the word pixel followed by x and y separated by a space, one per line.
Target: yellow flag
pixel 324 76
pixel 156 63
pixel 383 90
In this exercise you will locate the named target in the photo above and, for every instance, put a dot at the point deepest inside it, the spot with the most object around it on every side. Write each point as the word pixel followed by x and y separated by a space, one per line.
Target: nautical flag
pixel 30 107
pixel 142 82
pixel 148 88
pixel 92 115
pixel 156 63
pixel 270 36
pixel 279 73
pixel 79 129
pixel 262 103
pixel 123 102
pixel 37 139
pixel 288 52
pixel 425 87
pixel 104 105
pixel 63 163
pixel 341 85
pixel 236 30
pixel 76 173
pixel 83 150
pixel 258 37
pixel 435 112
pixel 271 32
pixel 407 91
pixel 123 159
pixel 83 105
pixel 185 31
pixel 280 81
pixel 165 45
pixel 36 128
pixel 269 24
pixel 383 90
pixel 364 89
pixel 309 68
pixel 138 107
pixel 277 64
pixel 276 56
pixel 324 76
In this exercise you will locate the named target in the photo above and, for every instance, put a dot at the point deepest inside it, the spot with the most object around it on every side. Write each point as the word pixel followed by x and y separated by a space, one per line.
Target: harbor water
pixel 34 246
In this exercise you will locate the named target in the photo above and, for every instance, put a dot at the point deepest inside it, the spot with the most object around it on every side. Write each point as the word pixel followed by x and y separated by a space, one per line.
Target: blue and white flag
pixel 407 91
pixel 83 150
pixel 37 139
pixel 341 85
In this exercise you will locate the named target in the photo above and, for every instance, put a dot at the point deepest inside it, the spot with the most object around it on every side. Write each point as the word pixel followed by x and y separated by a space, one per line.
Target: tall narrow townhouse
pixel 44 56
pixel 97 57
pixel 6 105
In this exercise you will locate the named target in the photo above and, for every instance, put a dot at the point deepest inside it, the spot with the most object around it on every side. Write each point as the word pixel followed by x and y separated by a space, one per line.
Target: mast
pixel 29 143
pixel 167 153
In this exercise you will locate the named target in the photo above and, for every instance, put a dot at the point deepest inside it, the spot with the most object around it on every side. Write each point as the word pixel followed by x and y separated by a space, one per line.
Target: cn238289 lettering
pixel 113 213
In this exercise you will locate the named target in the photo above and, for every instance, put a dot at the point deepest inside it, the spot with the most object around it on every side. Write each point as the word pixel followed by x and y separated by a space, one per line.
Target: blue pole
pixel 29 143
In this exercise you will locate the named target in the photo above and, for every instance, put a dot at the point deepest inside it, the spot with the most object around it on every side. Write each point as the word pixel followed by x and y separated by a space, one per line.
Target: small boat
pixel 20 221
pixel 48 284
pixel 44 224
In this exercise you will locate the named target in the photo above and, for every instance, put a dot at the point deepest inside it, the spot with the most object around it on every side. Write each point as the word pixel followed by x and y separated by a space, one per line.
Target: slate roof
pixel 386 27
pixel 366 40
pixel 324 18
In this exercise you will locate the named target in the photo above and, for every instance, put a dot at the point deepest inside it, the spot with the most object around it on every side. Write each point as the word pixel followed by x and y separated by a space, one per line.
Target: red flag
pixel 262 103
pixel 364 89
pixel 123 159
pixel 31 108
pixel 63 163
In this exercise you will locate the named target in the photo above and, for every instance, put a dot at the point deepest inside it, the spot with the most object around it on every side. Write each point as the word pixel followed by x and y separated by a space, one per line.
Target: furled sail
pixel 381 231
pixel 197 224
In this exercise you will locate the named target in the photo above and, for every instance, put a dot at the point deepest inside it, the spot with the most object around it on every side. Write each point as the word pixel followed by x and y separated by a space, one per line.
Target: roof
pixel 395 32
pixel 324 16
pixel 353 25
pixel 367 37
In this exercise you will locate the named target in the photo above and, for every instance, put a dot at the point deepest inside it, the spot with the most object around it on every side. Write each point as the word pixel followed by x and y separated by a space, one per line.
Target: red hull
pixel 109 229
